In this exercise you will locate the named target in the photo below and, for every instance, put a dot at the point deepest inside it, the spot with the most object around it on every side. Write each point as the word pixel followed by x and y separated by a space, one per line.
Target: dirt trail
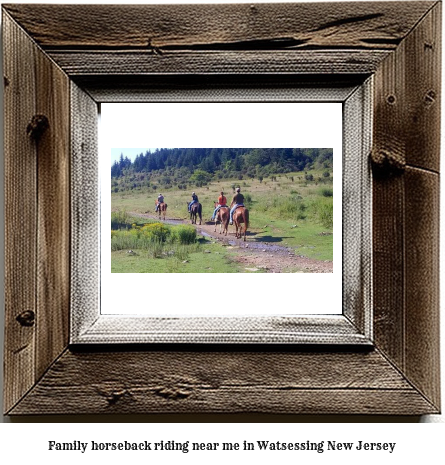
pixel 254 255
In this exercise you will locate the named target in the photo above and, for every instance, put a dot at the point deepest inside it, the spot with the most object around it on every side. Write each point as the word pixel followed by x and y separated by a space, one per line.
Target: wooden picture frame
pixel 57 70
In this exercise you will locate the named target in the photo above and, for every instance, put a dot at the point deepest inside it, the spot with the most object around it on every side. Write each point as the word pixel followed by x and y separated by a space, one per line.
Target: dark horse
pixel 222 216
pixel 196 210
pixel 162 208
pixel 240 215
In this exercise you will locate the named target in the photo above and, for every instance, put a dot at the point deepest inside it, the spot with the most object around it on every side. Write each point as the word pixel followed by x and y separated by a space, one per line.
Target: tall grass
pixel 183 234
pixel 157 240
pixel 321 210
pixel 120 220
pixel 289 208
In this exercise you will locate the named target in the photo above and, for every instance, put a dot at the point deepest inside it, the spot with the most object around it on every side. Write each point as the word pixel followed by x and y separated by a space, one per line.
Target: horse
pixel 161 209
pixel 196 210
pixel 240 215
pixel 222 216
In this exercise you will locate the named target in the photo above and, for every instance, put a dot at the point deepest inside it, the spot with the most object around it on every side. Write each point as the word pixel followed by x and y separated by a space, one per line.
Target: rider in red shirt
pixel 222 202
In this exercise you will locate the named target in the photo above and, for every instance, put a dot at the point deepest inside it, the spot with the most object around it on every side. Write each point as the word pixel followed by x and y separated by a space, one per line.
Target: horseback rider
pixel 194 200
pixel 237 201
pixel 160 200
pixel 222 202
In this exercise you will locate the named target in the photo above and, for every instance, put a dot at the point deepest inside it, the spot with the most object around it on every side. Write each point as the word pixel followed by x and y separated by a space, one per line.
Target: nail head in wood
pixel 430 97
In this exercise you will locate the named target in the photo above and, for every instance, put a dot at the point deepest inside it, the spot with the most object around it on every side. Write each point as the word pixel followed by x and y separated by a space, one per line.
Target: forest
pixel 180 167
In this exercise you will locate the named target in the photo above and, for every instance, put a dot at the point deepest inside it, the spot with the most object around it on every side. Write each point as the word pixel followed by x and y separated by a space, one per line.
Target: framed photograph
pixel 322 297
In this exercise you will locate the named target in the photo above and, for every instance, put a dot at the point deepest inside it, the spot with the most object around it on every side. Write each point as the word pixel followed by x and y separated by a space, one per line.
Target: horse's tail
pixel 246 217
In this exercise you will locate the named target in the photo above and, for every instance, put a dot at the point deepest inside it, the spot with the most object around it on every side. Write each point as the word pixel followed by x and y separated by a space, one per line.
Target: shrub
pixel 184 234
pixel 326 192
pixel 155 232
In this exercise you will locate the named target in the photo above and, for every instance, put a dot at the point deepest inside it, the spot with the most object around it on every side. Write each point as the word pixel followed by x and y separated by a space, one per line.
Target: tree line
pixel 179 166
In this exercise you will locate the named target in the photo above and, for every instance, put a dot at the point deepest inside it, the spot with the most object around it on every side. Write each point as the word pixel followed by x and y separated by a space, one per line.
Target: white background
pixel 221 125
pixel 27 443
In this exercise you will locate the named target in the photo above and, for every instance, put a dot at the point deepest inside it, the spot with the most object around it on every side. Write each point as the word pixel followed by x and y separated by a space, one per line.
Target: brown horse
pixel 222 216
pixel 240 215
pixel 162 209
pixel 195 211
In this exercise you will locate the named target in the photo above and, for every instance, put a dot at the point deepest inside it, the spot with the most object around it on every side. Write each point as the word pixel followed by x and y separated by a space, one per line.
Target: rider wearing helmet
pixel 237 201
pixel 194 200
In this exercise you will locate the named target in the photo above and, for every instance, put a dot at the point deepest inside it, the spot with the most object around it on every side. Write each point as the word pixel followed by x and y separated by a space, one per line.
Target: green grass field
pixel 205 257
pixel 289 211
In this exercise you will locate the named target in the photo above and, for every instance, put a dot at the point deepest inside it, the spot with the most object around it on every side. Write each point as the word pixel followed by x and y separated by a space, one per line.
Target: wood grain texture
pixel 85 210
pixel 357 201
pixel 407 114
pixel 388 268
pixel 53 227
pixel 79 63
pixel 218 88
pixel 160 27
pixel 220 381
pixel 389 145
pixel 20 212
pixel 109 329
pixel 423 91
pixel 406 133
pixel 422 364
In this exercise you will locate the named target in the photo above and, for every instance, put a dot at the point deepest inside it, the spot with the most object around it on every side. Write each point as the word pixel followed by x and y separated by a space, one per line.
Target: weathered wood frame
pixel 77 56
pixel 91 323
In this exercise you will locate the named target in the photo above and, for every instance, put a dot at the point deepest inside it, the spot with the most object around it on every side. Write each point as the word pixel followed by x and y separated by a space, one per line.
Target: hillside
pixel 183 167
